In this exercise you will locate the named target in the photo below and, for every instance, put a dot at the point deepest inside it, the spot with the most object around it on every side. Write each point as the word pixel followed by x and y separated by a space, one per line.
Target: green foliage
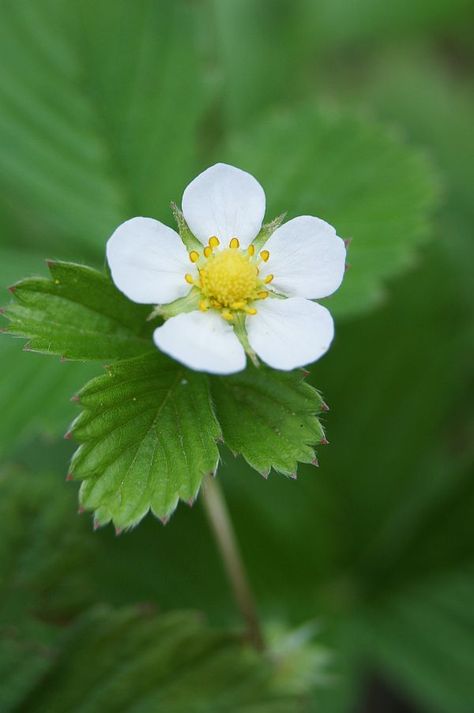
pixel 36 395
pixel 107 111
pixel 269 417
pixel 416 633
pixel 148 430
pixel 144 662
pixel 356 175
pixel 148 435
pixel 78 314
pixel 173 662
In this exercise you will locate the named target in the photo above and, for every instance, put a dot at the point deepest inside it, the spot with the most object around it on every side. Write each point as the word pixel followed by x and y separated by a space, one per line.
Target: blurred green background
pixel 360 112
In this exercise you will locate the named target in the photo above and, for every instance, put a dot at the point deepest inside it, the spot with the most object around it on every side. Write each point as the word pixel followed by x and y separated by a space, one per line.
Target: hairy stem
pixel 221 525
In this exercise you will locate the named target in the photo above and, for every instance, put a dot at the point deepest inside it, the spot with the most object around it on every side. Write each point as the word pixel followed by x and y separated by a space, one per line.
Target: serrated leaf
pixel 142 662
pixel 148 435
pixel 355 174
pixel 269 417
pixel 78 314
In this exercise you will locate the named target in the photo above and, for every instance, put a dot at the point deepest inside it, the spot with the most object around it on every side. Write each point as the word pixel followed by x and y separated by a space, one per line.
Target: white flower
pixel 241 298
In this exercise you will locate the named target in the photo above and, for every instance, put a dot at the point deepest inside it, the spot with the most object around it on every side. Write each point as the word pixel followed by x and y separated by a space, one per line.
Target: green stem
pixel 221 525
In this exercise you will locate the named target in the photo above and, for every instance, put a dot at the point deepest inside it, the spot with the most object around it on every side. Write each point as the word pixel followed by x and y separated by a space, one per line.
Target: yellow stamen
pixel 250 310
pixel 228 316
pixel 251 250
pixel 268 279
pixel 194 256
pixel 214 241
pixel 234 243
pixel 264 254
pixel 204 305
pixel 207 251
pixel 262 295
pixel 189 278
pixel 238 305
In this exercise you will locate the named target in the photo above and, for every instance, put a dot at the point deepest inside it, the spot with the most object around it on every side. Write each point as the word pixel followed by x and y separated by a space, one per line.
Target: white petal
pixel 289 333
pixel 226 202
pixel 148 261
pixel 202 341
pixel 307 258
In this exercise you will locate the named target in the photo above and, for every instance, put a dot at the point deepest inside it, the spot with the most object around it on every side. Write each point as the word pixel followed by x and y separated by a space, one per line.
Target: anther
pixel 234 243
pixel 189 278
pixel 207 251
pixel 251 250
pixel 194 256
pixel 250 310
pixel 262 295
pixel 238 305
pixel 264 254
pixel 227 315
pixel 214 241
pixel 268 279
pixel 204 305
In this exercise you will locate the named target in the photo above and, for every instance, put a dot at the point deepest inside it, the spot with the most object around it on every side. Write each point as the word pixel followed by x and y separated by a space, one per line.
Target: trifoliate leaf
pixel 142 663
pixel 270 417
pixel 148 435
pixel 78 314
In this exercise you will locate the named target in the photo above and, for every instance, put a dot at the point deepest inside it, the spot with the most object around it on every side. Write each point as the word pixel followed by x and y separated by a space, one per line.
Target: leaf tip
pixel 69 477
pixel 315 462
pixel 68 435
pixel 118 531
pixel 324 441
pixel 324 406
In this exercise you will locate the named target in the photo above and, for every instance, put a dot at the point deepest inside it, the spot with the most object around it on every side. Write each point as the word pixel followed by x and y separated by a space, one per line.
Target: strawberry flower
pixel 232 293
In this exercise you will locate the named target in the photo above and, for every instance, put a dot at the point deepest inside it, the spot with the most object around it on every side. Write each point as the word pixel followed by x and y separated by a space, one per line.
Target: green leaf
pixel 53 647
pixel 269 417
pixel 100 112
pixel 78 314
pixel 36 396
pixel 356 175
pixel 148 435
pixel 142 662
pixel 416 634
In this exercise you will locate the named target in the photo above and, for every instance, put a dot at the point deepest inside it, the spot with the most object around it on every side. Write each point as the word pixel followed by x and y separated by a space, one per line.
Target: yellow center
pixel 229 279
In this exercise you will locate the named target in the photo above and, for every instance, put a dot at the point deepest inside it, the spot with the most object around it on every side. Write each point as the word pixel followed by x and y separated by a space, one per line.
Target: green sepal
pixel 266 231
pixel 189 303
pixel 190 240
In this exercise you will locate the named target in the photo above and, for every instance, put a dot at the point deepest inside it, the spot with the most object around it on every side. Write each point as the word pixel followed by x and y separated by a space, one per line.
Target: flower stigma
pixel 228 279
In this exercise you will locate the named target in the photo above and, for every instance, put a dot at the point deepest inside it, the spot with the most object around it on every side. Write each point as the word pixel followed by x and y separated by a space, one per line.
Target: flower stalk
pixel 221 525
